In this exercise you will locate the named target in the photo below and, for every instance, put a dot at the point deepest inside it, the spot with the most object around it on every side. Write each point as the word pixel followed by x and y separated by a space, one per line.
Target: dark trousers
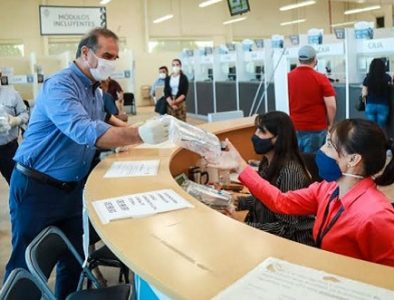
pixel 7 164
pixel 35 206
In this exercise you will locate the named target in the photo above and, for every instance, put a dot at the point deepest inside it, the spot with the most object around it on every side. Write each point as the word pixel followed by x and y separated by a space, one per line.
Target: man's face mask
pixel 104 68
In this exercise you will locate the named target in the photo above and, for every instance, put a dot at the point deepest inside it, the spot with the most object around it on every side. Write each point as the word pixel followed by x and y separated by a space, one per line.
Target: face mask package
pixel 4 125
pixel 215 199
pixel 193 138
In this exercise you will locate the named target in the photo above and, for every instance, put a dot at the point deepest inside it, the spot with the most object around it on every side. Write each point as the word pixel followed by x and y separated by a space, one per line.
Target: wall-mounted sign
pixel 231 57
pixel 376 46
pixel 70 20
pixel 294 39
pixel 254 55
pixel 340 33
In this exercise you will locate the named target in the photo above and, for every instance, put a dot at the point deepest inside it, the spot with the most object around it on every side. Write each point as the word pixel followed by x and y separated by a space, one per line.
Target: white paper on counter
pixel 276 279
pixel 165 145
pixel 133 168
pixel 139 205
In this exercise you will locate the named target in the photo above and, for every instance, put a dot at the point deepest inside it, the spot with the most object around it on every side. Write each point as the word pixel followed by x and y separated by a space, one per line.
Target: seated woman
pixel 353 217
pixel 283 167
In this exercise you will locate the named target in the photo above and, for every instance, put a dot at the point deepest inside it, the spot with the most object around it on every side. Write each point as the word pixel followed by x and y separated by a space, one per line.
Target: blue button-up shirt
pixel 65 124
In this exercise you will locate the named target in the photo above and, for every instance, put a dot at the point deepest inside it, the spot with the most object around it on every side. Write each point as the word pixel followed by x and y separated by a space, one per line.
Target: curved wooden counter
pixel 195 253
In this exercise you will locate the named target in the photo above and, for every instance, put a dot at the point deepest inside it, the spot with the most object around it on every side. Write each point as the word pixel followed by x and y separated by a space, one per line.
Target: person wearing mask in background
pixel 116 91
pixel 376 90
pixel 113 117
pixel 66 127
pixel 175 91
pixel 15 114
pixel 353 217
pixel 311 102
pixel 157 89
pixel 283 167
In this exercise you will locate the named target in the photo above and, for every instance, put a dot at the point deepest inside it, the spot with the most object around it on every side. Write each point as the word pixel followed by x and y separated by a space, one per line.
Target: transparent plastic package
pixel 216 199
pixel 4 125
pixel 193 138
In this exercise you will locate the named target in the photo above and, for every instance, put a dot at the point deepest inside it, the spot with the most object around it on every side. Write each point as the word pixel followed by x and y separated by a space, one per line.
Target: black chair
pixel 44 252
pixel 129 100
pixel 19 284
pixel 104 257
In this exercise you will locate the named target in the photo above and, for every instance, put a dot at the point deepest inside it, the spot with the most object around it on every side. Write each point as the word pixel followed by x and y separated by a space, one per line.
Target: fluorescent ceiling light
pixel 234 20
pixel 363 9
pixel 163 18
pixel 208 2
pixel 343 24
pixel 103 2
pixel 292 22
pixel 297 5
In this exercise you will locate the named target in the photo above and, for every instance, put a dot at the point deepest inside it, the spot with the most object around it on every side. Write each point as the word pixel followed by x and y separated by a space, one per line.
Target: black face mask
pixel 262 146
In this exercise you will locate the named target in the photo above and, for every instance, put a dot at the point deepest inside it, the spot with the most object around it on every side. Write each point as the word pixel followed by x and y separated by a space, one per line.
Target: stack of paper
pixel 276 279
pixel 133 168
pixel 139 205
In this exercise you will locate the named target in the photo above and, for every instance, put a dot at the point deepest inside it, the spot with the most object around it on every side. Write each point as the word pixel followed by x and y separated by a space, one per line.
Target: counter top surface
pixel 195 253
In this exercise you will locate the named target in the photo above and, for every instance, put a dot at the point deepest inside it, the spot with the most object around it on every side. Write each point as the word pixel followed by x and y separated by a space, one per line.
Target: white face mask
pixel 162 75
pixel 104 68
pixel 176 69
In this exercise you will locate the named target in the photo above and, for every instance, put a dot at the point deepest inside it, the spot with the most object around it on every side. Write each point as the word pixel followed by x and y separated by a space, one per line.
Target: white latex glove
pixel 14 121
pixel 230 160
pixel 153 132
pixel 4 126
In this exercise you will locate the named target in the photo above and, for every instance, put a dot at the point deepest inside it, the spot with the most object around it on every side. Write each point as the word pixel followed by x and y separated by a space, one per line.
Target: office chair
pixel 44 252
pixel 129 100
pixel 104 257
pixel 19 284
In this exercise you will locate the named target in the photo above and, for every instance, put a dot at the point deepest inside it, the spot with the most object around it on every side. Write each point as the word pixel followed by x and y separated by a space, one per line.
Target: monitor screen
pixel 238 7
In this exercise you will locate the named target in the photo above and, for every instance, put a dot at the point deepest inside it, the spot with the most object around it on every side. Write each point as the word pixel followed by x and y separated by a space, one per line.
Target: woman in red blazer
pixel 353 217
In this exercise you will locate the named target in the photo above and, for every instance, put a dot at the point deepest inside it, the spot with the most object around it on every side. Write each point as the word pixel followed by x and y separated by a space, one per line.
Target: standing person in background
pixel 282 166
pixel 311 102
pixel 157 89
pixel 175 91
pixel 17 115
pixel 377 92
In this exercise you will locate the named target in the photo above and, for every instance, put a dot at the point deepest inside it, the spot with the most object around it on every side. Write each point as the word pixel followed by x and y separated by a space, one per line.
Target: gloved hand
pixel 153 132
pixel 4 126
pixel 14 121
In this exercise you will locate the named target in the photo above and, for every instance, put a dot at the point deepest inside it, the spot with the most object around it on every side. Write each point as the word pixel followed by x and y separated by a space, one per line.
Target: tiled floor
pixel 144 113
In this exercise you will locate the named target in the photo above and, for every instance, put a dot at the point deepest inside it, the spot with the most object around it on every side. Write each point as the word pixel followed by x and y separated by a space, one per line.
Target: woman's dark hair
pixel 367 139
pixel 164 68
pixel 285 148
pixel 177 60
pixel 376 78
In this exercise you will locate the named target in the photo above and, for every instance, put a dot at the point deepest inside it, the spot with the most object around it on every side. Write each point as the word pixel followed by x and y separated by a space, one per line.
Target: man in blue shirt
pixel 66 127
pixel 157 89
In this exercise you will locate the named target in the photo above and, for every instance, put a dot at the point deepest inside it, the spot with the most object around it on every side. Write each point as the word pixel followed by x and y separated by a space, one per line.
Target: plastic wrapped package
pixel 193 138
pixel 210 196
pixel 4 125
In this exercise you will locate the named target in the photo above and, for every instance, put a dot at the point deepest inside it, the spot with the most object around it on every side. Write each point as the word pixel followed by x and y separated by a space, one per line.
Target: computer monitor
pixel 238 7
pixel 210 74
pixel 232 73
pixel 258 71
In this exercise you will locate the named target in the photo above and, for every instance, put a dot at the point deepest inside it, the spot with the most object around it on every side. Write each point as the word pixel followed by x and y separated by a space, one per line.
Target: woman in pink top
pixel 353 217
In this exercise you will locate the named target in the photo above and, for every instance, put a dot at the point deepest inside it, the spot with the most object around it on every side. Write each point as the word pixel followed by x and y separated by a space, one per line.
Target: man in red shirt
pixel 311 101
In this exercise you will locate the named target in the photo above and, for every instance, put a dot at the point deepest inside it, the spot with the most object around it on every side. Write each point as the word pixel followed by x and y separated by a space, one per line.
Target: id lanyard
pixel 321 232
